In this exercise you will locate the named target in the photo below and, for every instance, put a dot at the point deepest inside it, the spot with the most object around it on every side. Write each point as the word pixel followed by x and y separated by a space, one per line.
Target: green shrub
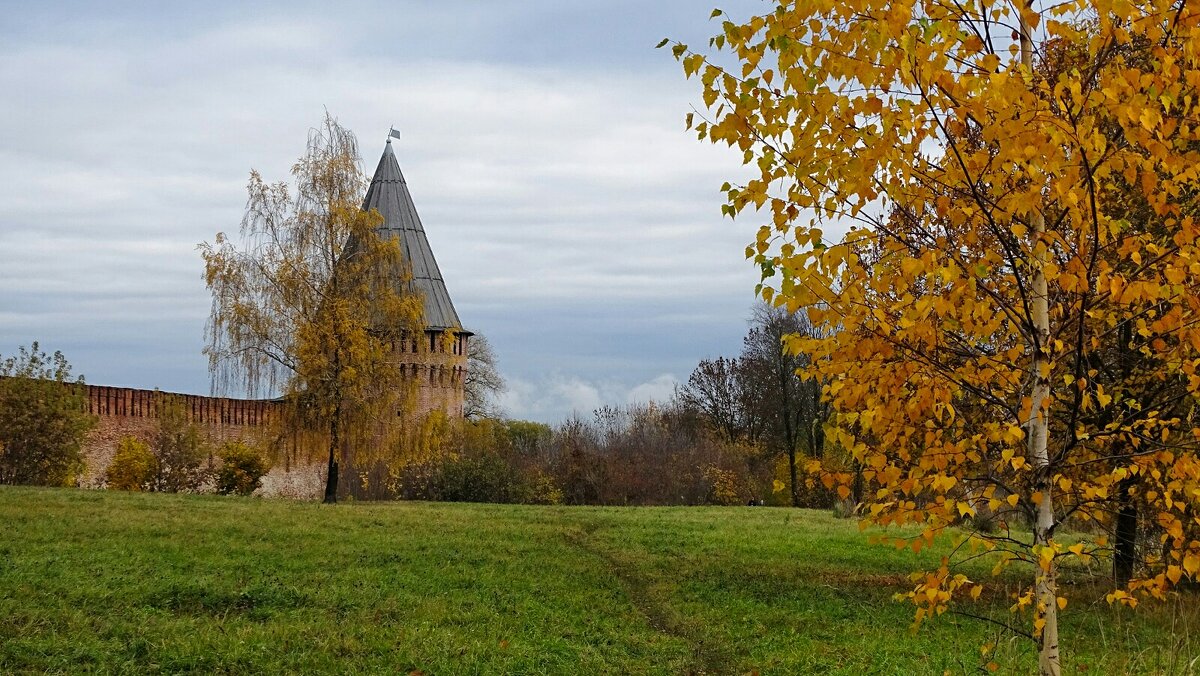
pixel 538 488
pixel 477 478
pixel 180 450
pixel 242 468
pixel 133 467
pixel 43 419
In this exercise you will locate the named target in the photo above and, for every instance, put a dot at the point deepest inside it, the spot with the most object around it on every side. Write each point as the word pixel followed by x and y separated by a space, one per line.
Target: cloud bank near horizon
pixel 575 221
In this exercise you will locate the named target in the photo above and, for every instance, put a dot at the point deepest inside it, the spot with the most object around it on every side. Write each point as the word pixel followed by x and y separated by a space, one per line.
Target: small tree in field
pixel 43 419
pixel 310 303
pixel 1014 313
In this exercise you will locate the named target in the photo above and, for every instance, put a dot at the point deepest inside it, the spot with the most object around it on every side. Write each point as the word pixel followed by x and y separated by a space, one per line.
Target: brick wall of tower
pixel 438 364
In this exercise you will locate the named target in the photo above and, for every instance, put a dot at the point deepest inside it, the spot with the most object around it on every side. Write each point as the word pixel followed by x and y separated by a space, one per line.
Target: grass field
pixel 127 583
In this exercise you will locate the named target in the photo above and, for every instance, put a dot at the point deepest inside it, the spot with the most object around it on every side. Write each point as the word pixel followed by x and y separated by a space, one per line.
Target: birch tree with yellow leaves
pixel 308 304
pixel 990 209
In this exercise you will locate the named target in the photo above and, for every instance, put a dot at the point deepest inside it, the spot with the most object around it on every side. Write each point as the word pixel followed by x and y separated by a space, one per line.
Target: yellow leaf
pixel 1174 573
pixel 1191 563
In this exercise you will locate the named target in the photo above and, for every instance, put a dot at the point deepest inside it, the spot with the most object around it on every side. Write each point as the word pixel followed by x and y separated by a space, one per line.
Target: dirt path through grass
pixel 709 656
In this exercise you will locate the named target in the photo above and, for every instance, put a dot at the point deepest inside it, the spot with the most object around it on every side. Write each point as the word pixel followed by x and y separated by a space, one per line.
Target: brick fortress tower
pixel 435 360
pixel 438 359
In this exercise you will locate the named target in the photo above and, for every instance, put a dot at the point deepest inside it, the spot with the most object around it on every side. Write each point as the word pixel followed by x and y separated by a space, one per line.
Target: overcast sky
pixel 576 222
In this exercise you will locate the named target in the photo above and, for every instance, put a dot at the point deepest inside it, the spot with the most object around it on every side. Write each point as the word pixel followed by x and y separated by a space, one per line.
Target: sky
pixel 576 222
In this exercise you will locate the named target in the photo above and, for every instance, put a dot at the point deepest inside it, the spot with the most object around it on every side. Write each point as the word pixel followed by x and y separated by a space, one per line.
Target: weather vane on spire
pixel 392 134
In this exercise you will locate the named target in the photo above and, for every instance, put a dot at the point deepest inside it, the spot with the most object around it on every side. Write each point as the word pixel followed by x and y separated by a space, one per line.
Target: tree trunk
pixel 1045 582
pixel 331 478
pixel 1126 527
pixel 335 422
pixel 792 473
pixel 1045 585
pixel 1126 532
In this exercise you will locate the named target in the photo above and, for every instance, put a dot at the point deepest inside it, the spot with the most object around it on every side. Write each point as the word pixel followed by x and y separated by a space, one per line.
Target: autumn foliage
pixel 242 468
pixel 311 303
pixel 992 208
pixel 132 468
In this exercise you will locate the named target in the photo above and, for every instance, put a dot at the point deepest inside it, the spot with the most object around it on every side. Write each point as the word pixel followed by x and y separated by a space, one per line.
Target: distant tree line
pixel 734 433
pixel 639 455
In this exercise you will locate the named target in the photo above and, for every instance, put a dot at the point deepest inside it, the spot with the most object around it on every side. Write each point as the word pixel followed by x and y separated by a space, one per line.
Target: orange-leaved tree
pixel 1011 311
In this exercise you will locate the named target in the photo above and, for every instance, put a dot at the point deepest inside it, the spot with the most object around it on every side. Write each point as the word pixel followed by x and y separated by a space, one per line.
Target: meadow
pixel 94 581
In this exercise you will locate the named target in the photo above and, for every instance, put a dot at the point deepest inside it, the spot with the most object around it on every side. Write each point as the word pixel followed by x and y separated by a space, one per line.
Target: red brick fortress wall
pixel 131 403
pixel 124 411
pixel 437 364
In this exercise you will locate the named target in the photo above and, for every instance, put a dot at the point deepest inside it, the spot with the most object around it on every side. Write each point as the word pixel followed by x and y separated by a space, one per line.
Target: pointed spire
pixel 389 195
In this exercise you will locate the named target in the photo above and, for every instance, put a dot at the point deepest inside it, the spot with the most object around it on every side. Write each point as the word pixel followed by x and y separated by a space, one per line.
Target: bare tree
pixel 483 382
pixel 791 408
pixel 716 391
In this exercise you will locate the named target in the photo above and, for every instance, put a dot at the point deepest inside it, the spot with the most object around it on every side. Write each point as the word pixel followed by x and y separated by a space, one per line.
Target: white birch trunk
pixel 1045 585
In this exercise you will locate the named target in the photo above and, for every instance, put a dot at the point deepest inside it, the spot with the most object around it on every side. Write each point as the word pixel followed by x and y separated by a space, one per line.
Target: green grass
pixel 125 583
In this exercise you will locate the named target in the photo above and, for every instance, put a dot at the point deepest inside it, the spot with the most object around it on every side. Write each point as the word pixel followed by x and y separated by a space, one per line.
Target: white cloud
pixel 550 397
pixel 659 390
pixel 556 396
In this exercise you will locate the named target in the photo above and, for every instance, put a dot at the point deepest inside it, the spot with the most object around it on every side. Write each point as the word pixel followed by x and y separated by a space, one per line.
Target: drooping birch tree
pixel 309 305
pixel 977 161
